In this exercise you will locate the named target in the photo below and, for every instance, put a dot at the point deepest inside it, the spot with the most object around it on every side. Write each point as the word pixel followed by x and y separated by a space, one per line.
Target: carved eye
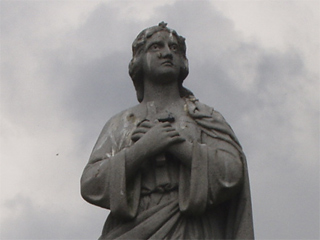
pixel 174 47
pixel 155 46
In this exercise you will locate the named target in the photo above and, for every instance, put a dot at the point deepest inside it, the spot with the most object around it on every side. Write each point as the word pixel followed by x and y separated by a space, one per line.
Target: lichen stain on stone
pixel 131 118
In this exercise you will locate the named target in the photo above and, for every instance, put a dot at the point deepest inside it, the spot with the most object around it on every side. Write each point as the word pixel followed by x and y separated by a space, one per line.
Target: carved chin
pixel 167 75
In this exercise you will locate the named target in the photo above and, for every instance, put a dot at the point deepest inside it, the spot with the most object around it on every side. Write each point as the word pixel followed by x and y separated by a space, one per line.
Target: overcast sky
pixel 64 73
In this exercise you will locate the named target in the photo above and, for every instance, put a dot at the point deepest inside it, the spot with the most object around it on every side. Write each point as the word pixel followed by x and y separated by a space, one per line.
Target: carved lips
pixel 167 63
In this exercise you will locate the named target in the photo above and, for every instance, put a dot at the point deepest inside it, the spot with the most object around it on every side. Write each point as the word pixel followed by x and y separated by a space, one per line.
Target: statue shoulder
pixel 204 109
pixel 124 119
pixel 211 112
pixel 117 129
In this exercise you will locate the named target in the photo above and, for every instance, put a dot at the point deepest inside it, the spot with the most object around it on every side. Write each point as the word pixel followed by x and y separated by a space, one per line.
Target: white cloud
pixel 278 24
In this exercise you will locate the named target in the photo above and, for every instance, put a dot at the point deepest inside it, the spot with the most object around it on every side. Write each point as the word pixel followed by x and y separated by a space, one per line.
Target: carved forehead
pixel 146 34
pixel 154 30
pixel 162 36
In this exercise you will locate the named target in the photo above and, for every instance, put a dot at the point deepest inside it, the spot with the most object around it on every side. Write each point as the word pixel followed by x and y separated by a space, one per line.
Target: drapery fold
pixel 193 191
pixel 214 190
pixel 124 200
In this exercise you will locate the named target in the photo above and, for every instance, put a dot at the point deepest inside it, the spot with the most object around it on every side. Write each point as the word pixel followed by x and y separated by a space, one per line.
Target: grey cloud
pixel 259 91
pixel 31 221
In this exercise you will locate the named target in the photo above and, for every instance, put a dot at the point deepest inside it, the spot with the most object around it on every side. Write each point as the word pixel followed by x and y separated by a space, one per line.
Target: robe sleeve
pixel 103 182
pixel 225 172
pixel 216 172
pixel 215 176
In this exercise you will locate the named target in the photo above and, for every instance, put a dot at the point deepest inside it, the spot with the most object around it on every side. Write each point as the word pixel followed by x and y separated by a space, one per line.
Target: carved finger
pixel 136 137
pixel 140 130
pixel 142 122
pixel 178 139
pixel 169 129
pixel 165 124
pixel 146 124
pixel 173 133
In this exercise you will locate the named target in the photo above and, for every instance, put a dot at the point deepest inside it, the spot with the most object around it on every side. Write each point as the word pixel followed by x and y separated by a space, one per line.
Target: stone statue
pixel 170 167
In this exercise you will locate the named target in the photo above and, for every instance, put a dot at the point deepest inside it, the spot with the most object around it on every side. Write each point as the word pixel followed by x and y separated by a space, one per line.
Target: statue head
pixel 138 51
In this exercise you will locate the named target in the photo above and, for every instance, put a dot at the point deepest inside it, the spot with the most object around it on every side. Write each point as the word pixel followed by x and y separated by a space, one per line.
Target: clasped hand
pixel 156 137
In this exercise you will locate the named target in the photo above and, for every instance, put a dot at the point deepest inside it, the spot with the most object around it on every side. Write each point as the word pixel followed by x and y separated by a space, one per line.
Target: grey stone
pixel 170 167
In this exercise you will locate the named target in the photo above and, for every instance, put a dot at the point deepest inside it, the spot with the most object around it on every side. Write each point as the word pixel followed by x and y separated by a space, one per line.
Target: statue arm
pixel 95 179
pixel 104 181
pixel 224 165
pixel 225 172
pixel 183 152
pixel 112 177
pixel 214 176
pixel 214 169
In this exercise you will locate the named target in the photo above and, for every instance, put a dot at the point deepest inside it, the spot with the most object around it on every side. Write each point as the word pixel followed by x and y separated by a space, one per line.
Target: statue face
pixel 162 57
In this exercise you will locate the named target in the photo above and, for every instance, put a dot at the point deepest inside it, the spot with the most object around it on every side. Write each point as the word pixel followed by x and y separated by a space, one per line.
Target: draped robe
pixel 209 200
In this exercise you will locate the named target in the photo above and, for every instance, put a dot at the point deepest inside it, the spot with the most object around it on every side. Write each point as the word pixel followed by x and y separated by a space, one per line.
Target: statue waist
pixel 160 189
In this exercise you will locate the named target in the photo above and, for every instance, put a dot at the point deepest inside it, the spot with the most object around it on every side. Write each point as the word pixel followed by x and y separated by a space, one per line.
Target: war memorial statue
pixel 170 167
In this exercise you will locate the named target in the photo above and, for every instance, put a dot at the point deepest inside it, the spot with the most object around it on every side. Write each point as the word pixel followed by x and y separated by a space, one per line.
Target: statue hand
pixel 156 137
pixel 141 129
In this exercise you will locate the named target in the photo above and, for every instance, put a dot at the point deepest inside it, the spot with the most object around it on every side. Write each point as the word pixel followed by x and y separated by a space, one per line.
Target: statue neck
pixel 163 95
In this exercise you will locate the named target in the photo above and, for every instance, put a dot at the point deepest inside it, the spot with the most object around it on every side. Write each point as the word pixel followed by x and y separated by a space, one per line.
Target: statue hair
pixel 135 65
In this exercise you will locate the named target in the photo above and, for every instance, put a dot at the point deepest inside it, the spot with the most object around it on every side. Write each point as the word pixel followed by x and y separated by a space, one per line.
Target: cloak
pixel 214 188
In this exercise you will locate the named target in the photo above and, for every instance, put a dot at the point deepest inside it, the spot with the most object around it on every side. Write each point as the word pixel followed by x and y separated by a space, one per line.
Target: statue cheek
pixel 149 61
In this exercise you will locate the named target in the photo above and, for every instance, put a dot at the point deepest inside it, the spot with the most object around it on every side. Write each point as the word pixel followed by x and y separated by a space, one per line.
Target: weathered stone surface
pixel 170 167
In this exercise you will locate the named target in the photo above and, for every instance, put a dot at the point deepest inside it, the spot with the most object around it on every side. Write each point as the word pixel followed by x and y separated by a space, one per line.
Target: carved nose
pixel 166 53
